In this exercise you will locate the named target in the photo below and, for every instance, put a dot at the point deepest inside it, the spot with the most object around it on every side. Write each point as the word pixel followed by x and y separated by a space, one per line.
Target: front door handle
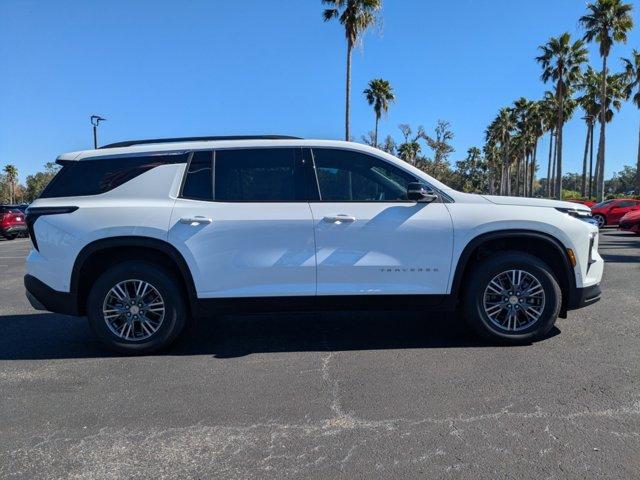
pixel 197 220
pixel 340 218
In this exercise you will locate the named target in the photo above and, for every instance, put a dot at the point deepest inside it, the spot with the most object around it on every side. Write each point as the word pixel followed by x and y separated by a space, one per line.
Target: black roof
pixel 130 143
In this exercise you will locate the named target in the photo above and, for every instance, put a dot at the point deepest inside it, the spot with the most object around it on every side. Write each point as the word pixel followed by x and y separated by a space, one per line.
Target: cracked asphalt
pixel 367 395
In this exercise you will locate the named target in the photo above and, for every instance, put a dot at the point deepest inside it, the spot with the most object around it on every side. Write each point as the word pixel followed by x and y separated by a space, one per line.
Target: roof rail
pixel 130 143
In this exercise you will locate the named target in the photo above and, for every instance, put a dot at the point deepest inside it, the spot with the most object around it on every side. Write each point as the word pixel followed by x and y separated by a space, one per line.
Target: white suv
pixel 142 236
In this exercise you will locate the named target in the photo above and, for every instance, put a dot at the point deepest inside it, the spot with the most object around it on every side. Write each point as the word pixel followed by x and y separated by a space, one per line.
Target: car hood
pixel 633 215
pixel 534 202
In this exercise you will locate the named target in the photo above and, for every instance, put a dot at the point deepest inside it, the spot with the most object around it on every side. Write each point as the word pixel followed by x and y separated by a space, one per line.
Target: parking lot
pixel 364 395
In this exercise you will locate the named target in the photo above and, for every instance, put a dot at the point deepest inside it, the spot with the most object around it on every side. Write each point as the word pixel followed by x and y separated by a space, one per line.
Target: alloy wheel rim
pixel 133 310
pixel 514 300
pixel 600 220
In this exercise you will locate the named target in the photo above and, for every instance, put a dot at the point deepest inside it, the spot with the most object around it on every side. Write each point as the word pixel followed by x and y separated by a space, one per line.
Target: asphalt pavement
pixel 322 396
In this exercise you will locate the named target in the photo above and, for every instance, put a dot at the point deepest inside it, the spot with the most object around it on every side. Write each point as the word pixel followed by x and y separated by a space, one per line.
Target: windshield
pixel 601 204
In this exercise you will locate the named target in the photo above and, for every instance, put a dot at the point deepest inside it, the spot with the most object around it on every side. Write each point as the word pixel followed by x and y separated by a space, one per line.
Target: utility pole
pixel 95 121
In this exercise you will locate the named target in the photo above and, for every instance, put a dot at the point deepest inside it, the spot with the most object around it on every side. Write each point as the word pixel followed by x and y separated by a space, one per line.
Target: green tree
pixel 588 101
pixel 607 22
pixel 632 72
pixel 379 94
pixel 356 16
pixel 38 181
pixel 472 172
pixel 410 148
pixel 561 62
pixel 11 173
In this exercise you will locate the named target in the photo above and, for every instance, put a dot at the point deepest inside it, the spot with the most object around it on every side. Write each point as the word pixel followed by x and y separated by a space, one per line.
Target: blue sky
pixel 160 68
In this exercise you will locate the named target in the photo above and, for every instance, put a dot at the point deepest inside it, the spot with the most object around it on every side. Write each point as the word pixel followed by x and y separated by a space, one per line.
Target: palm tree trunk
pixel 558 188
pixel 553 168
pixel 518 177
pixel 584 164
pixel 347 133
pixel 532 173
pixel 637 192
pixel 591 158
pixel 375 132
pixel 601 142
pixel 548 192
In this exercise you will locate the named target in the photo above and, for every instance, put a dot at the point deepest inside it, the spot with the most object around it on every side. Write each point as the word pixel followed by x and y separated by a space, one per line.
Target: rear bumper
pixel 43 297
pixel 14 229
pixel 584 297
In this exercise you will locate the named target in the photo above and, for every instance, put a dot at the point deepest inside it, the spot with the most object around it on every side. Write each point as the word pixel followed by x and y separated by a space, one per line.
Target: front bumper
pixel 583 297
pixel 43 297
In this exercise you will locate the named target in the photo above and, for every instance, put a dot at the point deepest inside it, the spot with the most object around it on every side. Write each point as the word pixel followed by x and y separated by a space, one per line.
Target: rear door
pixel 369 238
pixel 243 224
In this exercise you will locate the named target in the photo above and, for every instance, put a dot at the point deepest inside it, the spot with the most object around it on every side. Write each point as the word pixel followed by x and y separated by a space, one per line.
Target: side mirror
pixel 420 193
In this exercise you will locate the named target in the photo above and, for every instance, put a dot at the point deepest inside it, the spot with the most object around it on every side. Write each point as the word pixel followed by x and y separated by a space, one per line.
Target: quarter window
pixel 348 176
pixel 258 175
pixel 93 177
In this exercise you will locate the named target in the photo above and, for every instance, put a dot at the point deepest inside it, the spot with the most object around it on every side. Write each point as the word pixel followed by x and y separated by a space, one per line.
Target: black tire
pixel 601 219
pixel 175 311
pixel 488 269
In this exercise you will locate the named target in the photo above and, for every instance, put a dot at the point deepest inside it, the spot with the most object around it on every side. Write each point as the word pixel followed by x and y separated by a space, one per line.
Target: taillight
pixel 33 213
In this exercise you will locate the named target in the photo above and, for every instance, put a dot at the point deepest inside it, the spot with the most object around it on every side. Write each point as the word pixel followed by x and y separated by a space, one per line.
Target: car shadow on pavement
pixel 51 336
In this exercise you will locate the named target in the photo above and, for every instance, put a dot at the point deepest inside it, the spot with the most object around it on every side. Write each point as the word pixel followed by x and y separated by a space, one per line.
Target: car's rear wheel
pixel 602 221
pixel 136 307
pixel 512 297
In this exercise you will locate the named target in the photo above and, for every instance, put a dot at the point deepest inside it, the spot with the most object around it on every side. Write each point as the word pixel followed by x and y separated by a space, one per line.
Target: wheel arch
pixel 544 246
pixel 98 255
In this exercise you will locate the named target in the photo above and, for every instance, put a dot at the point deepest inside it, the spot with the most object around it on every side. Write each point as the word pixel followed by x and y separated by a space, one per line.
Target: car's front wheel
pixel 602 221
pixel 136 307
pixel 512 297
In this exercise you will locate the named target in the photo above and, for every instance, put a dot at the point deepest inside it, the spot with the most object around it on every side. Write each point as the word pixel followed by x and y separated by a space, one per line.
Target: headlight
pixel 580 214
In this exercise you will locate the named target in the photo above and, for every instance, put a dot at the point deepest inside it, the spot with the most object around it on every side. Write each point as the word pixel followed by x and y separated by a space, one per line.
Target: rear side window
pixel 258 175
pixel 198 183
pixel 93 177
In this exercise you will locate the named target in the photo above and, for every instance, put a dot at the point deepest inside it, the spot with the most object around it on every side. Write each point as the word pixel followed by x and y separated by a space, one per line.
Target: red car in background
pixel 631 222
pixel 610 212
pixel 12 222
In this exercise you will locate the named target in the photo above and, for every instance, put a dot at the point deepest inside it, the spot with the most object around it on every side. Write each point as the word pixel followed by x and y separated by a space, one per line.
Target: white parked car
pixel 142 236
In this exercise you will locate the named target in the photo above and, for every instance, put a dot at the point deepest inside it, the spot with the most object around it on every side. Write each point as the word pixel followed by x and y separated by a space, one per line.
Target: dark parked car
pixel 12 222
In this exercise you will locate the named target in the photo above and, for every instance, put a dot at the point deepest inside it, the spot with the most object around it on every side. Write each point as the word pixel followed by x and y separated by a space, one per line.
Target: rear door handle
pixel 340 218
pixel 198 220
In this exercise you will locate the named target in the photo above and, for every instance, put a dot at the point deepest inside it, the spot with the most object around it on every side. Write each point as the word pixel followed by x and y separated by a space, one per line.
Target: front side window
pixel 93 177
pixel 258 175
pixel 348 176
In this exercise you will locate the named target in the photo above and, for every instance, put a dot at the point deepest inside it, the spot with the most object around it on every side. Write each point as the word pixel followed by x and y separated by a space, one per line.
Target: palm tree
pixel 12 175
pixel 616 93
pixel 561 61
pixel 500 131
pixel 608 21
pixel 524 111
pixel 380 95
pixel 588 101
pixel 632 72
pixel 548 114
pixel 356 16
pixel 536 130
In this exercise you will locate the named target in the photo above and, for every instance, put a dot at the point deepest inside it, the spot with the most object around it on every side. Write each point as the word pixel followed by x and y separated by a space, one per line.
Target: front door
pixel 621 209
pixel 243 224
pixel 369 238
